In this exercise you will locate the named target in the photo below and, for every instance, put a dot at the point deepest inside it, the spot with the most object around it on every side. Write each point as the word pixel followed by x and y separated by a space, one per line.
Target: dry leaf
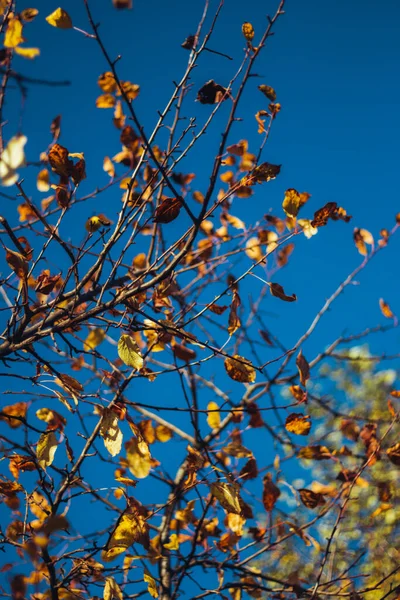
pixel 131 527
pixel 291 202
pixel 303 367
pixel 112 591
pixel 277 290
pixel 271 493
pixel 268 91
pixel 19 409
pixel 59 18
pixel 212 93
pixel 298 424
pixel 228 496
pixel 110 432
pixel 248 31
pixel 138 457
pixel 385 309
pixel 240 369
pixel 361 238
pixel 151 582
pixel 311 499
pixel 168 210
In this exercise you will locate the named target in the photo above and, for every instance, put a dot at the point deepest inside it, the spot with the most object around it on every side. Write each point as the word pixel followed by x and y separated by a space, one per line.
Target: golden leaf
pixel 18 409
pixel 298 424
pixel 291 202
pixel 107 83
pixel 131 527
pixel 53 419
pixel 227 495
pixel 17 263
pixel 43 181
pixel 240 369
pixel 108 166
pixel 39 506
pixel 163 433
pixel 213 416
pixel 11 159
pixel 112 591
pixel 268 91
pixel 110 432
pixel 314 453
pixel 27 52
pixel 385 309
pixel 253 249
pixel 129 352
pixel 59 18
pixel 105 101
pixel 138 457
pixel 46 449
pixel 248 31
pixel 94 339
pixel 13 35
pixel 173 543
pixel 151 584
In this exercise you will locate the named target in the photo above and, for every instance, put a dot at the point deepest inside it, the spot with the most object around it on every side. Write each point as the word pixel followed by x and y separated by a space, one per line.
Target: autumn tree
pixel 159 434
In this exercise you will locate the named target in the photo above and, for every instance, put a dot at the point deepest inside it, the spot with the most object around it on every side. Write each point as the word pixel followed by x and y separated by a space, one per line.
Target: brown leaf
pixel 212 93
pixel 189 42
pixel 168 210
pixel 271 493
pixel 122 4
pixel 303 367
pixel 329 211
pixel 240 369
pixel 228 496
pixel 216 309
pixel 277 290
pixel 45 282
pixel 17 263
pixel 249 471
pixel 311 499
pixel 59 161
pixel 298 424
pixel 264 172
pixel 393 454
pixel 314 453
pixel 268 91
pixel 234 321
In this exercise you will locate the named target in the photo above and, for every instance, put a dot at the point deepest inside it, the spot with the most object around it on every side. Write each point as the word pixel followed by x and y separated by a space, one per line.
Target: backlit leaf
pixel 298 424
pixel 248 31
pixel 105 101
pixel 361 238
pixel 59 18
pixel 213 415
pixel 13 35
pixel 385 309
pixel 129 352
pixel 240 369
pixel 131 527
pixel 303 367
pixel 27 52
pixel 94 339
pixel 112 591
pixel 138 457
pixel 19 409
pixel 228 496
pixel 291 202
pixel 11 159
pixel 46 449
pixel 110 432
pixel 168 210
pixel 151 583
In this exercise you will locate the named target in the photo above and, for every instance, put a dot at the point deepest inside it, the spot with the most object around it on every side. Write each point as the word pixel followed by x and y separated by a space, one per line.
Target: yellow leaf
pixel 112 591
pixel 298 424
pixel 60 18
pixel 107 83
pixel 27 52
pixel 291 202
pixel 248 31
pixel 39 506
pixel 46 449
pixel 151 585
pixel 94 339
pixel 13 35
pixel 43 181
pixel 163 433
pixel 253 249
pixel 3 5
pixel 307 228
pixel 108 166
pixel 17 263
pixel 12 158
pixel 129 352
pixel 28 14
pixel 110 432
pixel 173 543
pixel 131 527
pixel 240 369
pixel 213 416
pixel 138 457
pixel 227 495
pixel 105 101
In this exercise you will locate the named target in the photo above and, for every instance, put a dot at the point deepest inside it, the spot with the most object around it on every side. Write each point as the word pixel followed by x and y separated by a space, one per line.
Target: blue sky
pixel 334 66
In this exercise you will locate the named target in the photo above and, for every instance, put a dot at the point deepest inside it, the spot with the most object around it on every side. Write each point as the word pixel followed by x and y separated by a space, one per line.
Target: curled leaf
pixel 212 93
pixel 277 290
pixel 268 91
pixel 60 19
pixel 311 499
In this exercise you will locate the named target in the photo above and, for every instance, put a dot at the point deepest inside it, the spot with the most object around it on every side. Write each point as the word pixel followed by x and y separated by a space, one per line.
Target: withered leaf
pixel 19 409
pixel 271 493
pixel 228 496
pixel 316 452
pixel 303 367
pixel 311 499
pixel 17 263
pixel 59 161
pixel 385 309
pixel 168 210
pixel 264 172
pixel 298 424
pixel 362 237
pixel 212 93
pixel 248 31
pixel 189 42
pixel 249 471
pixel 216 309
pixel 268 91
pixel 277 290
pixel 240 369
pixel 329 211
pixel 393 454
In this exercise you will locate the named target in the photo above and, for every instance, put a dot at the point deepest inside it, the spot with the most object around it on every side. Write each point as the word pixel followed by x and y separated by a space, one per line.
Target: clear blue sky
pixel 334 66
